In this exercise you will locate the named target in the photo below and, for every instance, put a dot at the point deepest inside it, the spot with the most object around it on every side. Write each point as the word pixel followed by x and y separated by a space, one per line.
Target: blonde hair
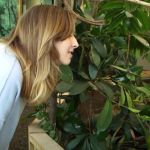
pixel 33 42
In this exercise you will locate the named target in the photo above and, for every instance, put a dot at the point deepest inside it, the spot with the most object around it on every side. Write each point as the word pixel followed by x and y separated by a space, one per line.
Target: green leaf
pixel 120 41
pixel 135 25
pixel 112 5
pixel 73 143
pixel 122 98
pixel 78 87
pixel 141 40
pixel 86 145
pixel 134 110
pixel 119 68
pixel 70 127
pixel 99 48
pixel 145 118
pixel 105 117
pixel 63 86
pixel 95 30
pixel 112 14
pixel 129 100
pixel 148 140
pixel 131 77
pixel 66 73
pixel 144 90
pixel 106 89
pixel 116 21
pixel 84 75
pixel 95 58
pixel 143 17
pixel 128 14
pixel 97 145
pixel 92 71
pixel 145 110
pixel 83 97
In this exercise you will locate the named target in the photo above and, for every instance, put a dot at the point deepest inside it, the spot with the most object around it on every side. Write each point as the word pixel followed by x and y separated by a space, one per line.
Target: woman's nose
pixel 75 42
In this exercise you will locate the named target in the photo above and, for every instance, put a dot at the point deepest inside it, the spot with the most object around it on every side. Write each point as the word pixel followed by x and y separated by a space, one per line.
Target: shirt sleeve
pixel 10 91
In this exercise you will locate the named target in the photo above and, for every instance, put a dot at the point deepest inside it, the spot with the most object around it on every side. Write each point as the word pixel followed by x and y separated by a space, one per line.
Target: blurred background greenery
pixel 8 17
pixel 9 12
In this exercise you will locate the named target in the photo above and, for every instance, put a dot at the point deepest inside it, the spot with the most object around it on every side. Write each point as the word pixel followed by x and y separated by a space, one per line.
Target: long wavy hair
pixel 33 42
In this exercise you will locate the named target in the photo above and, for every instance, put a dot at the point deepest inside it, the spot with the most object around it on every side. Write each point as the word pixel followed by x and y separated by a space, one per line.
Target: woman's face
pixel 65 49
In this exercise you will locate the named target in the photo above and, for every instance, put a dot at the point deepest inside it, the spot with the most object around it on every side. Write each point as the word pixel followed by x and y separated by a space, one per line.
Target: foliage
pixel 7 16
pixel 105 64
pixel 41 114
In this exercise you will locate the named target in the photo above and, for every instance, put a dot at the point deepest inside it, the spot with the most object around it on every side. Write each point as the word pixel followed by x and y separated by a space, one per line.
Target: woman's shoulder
pixel 9 66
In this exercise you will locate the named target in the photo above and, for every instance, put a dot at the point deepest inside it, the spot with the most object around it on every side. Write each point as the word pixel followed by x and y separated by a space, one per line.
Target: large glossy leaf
pixel 63 86
pixel 105 88
pixel 95 58
pixel 66 73
pixel 92 71
pixel 105 117
pixel 78 87
pixel 73 143
pixel 99 48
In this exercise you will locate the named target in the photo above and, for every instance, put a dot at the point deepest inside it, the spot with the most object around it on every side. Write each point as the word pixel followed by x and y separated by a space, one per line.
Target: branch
pixel 101 22
pixel 146 4
pixel 93 22
pixel 52 103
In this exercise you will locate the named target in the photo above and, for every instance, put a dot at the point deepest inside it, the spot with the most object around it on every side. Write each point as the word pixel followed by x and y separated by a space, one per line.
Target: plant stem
pixel 146 4
pixel 128 49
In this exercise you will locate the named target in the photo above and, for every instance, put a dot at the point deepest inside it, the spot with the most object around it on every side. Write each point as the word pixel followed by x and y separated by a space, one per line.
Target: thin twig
pixel 93 22
pixel 128 50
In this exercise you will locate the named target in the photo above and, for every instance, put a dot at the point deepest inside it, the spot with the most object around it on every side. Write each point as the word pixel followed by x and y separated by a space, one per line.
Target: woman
pixel 29 62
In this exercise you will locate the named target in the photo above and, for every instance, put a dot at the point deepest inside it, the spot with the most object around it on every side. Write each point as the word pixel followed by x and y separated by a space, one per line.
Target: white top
pixel 11 105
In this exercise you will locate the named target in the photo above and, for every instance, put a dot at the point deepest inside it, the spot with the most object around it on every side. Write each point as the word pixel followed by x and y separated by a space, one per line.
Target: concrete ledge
pixel 39 140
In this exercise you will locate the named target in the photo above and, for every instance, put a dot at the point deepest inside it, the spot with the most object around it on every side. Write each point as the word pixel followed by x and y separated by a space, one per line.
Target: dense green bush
pixel 105 65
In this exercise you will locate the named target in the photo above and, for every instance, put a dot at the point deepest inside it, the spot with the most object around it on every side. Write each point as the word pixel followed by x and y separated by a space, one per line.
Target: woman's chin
pixel 66 62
